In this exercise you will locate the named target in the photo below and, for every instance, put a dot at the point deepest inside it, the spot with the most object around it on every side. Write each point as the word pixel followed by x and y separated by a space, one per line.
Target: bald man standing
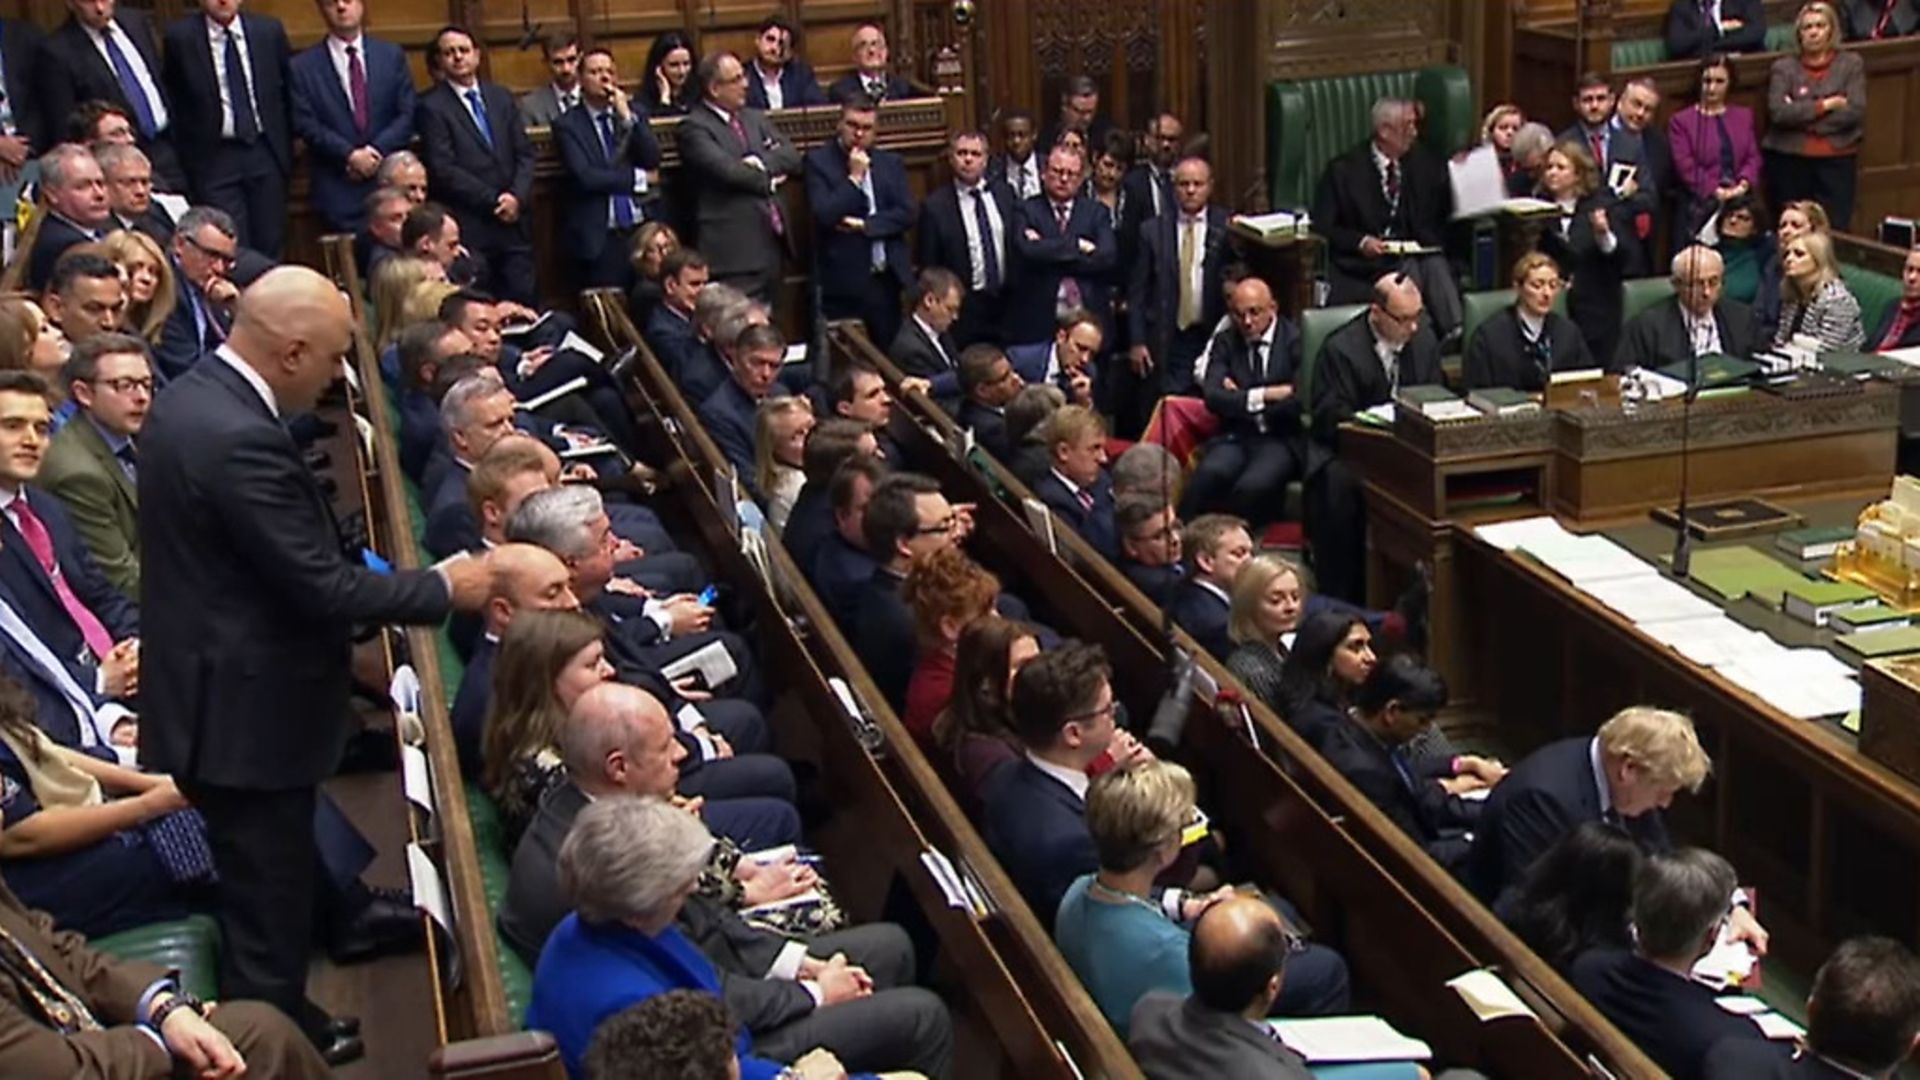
pixel 252 607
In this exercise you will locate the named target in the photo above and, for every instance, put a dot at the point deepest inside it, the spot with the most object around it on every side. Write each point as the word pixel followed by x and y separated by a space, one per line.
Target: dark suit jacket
pixel 728 416
pixel 989 429
pixel 844 260
pixel 194 88
pixel 1037 828
pixel 1153 292
pixel 1031 362
pixel 53 714
pixel 451 526
pixel 851 85
pixel 1499 355
pixel 914 352
pixel 1672 1018
pixel 1907 340
pixel 1156 583
pixel 1657 336
pixel 20 47
pixel 466 174
pixel 798 86
pixel 32 589
pixel 251 605
pixel 1232 358
pixel 1418 805
pixel 731 197
pixel 998 171
pixel 1690 36
pixel 839 573
pixel 1545 797
pixel 181 341
pixel 674 343
pixel 809 524
pixel 1861 16
pixel 56 235
pixel 1095 526
pixel 156 223
pixel 1349 378
pixel 1175 1038
pixel 593 178
pixel 1203 615
pixel 884 636
pixel 1748 1059
pixel 1056 255
pixel 72 71
pixel 99 496
pixel 1594 300
pixel 468 716
pixel 535 904
pixel 1351 205
pixel 942 239
pixel 1139 184
pixel 323 117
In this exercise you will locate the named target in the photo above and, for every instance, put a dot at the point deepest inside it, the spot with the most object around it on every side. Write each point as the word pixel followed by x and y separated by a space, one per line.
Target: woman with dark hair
pixel 1577 895
pixel 1746 249
pixel 666 89
pixel 1715 154
pixel 975 731
pixel 547 659
pixel 1369 745
pixel 1332 655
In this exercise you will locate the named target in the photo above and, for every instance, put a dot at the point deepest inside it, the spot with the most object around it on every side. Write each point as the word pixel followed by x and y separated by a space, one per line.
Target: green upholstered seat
pixel 1312 121
pixel 190 946
pixel 1478 307
pixel 1641 294
pixel 1781 37
pixel 1315 325
pixel 490 841
pixel 1878 294
pixel 1639 52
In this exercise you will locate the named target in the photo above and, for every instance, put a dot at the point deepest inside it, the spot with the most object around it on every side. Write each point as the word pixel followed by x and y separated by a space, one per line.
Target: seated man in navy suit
pixel 353 103
pixel 78 210
pixel 721 313
pixel 670 330
pixel 1217 545
pixel 1681 902
pixel 1625 775
pixel 1148 532
pixel 870 76
pixel 728 412
pixel 1077 488
pixel 86 296
pixel 925 346
pixel 204 248
pixel 840 571
pixel 906 517
pixel 56 586
pixel 859 392
pixel 422 351
pixel 539 364
pixel 1066 247
pixel 612 164
pixel 777 79
pixel 862 210
pixel 1249 385
pixel 810 522
pixel 1067 360
pixel 988 381
pixel 1863 1020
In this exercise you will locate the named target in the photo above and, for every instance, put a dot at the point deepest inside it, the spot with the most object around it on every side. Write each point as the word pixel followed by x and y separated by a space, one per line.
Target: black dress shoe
pixel 340 1049
pixel 339 1027
pixel 386 924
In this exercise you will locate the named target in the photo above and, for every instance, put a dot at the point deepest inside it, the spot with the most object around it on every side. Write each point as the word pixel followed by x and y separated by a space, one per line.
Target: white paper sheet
pixel 1489 996
pixel 1329 1039
pixel 416 779
pixel 1645 600
pixel 429 892
pixel 1775 1026
pixel 1511 535
pixel 1727 964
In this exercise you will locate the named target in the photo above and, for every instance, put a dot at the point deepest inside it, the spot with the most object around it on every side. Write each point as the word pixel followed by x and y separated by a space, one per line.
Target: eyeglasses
pixel 1160 535
pixel 127 384
pixel 224 258
pixel 942 528
pixel 1095 714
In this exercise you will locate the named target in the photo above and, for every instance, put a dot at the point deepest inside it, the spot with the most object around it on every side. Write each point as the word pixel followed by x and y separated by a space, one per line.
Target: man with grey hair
pixel 1695 321
pixel 1148 469
pixel 754 363
pixel 129 178
pixel 851 991
pixel 1681 903
pixel 1530 146
pixel 78 210
pixel 1383 206
pixel 203 252
pixel 403 169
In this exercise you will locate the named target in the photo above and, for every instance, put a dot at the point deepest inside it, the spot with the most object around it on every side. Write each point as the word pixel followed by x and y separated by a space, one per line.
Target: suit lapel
pixel 17 550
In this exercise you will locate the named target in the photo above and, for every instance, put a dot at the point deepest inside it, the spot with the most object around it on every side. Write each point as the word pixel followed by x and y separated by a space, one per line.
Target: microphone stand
pixel 1683 540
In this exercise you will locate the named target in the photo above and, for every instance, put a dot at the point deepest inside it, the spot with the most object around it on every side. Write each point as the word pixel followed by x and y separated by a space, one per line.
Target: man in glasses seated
pixel 203 251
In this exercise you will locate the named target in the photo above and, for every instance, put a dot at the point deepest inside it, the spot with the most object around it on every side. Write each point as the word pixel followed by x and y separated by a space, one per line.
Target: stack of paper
pixel 1708 642
pixel 1584 560
pixel 1332 1039
pixel 1645 599
pixel 1727 964
pixel 1803 683
pixel 1513 535
pixel 1381 414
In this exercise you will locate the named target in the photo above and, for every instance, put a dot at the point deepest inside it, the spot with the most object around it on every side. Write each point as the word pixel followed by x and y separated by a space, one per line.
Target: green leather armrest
pixel 1877 293
pixel 1782 37
pixel 1287 186
pixel 190 946
pixel 1639 52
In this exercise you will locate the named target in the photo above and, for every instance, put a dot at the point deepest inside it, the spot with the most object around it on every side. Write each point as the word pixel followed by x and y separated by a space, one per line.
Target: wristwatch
pixel 157 1018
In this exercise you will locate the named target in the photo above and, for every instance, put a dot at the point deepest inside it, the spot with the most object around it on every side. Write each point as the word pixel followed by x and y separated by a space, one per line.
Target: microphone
pixel 1683 539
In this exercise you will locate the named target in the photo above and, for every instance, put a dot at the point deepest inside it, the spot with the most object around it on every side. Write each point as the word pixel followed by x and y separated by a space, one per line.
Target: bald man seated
pixel 1249 385
pixel 1696 321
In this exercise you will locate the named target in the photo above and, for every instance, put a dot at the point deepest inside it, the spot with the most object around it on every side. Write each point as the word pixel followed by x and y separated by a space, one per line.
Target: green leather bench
pixel 1878 294
pixel 190 946
pixel 1646 52
pixel 1309 122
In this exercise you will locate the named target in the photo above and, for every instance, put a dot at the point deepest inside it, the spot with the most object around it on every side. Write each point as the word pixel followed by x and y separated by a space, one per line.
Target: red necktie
pixel 1393 182
pixel 1599 142
pixel 1086 500
pixel 1881 27
pixel 357 84
pixel 40 542
pixel 773 204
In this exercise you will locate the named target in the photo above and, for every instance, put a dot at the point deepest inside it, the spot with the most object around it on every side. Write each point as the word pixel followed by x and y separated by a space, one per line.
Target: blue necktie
pixel 622 202
pixel 480 120
pixel 1402 766
pixel 130 86
pixel 985 226
pixel 245 127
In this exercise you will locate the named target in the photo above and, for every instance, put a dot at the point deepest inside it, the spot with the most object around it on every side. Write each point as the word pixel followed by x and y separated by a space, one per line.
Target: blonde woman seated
pixel 1270 599
pixel 653 241
pixel 1520 347
pixel 151 291
pixel 393 281
pixel 1814 301
pixel 781 427
pixel 29 341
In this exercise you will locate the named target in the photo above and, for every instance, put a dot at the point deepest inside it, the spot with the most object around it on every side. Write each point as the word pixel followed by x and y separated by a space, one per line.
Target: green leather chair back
pixel 490 841
pixel 1639 52
pixel 1641 294
pixel 1877 293
pixel 1312 121
pixel 1478 307
pixel 190 946
pixel 1781 37
pixel 1315 325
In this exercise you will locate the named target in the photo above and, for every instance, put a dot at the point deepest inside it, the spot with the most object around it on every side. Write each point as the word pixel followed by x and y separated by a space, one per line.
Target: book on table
pixel 1872 644
pixel 1868 617
pixel 1819 542
pixel 1503 401
pixel 1814 601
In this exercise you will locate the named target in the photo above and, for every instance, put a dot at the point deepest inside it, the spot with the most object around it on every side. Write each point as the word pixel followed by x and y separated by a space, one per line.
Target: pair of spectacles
pixel 126 384
pixel 225 258
pixel 1104 710
pixel 942 528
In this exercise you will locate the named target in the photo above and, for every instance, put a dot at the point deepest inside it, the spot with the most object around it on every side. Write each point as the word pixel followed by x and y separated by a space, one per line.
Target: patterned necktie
pixel 1086 499
pixel 1069 295
pixel 130 461
pixel 1393 183
pixel 1598 140
pixel 40 542
pixel 988 253
pixel 246 128
pixel 1189 308
pixel 774 217
pixel 1884 25
pixel 357 90
pixel 480 121
pixel 130 86
pixel 65 1010
pixel 623 216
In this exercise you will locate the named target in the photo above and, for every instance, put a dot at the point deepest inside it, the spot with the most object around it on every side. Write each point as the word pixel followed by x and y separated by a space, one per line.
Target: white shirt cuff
pixel 1256 401
pixel 1171 901
pixel 1609 242
pixel 657 613
pixel 786 966
pixel 639 181
pixel 707 750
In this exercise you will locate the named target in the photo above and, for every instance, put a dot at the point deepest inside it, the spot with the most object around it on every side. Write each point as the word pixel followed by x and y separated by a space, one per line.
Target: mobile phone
pixel 708 595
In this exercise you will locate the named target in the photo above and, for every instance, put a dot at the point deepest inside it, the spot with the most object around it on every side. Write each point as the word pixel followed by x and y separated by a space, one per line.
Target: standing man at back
pixel 251 611
pixel 227 72
pixel 964 228
pixel 1176 296
pixel 861 212
pixel 105 54
pixel 612 164
pixel 353 104
pixel 545 104
pixel 736 162
pixel 479 162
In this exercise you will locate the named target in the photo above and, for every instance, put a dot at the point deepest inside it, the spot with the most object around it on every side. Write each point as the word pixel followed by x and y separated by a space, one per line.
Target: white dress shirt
pixel 337 52
pixel 1703 335
pixel 970 224
pixel 232 359
pixel 217 41
pixel 776 97
pixel 1256 399
pixel 1024 176
pixel 148 85
pixel 933 336
pixel 1075 780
